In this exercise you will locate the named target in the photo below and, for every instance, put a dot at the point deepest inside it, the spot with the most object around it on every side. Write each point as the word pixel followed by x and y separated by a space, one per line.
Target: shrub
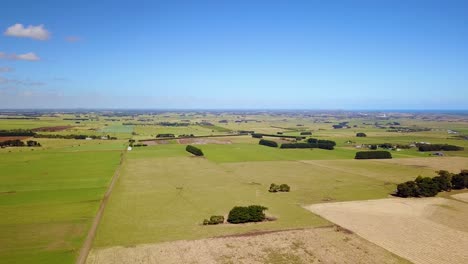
pixel 360 134
pixel 245 214
pixel 214 220
pixel 373 155
pixel 284 188
pixel 194 150
pixel 268 143
pixel 274 188
pixel 279 188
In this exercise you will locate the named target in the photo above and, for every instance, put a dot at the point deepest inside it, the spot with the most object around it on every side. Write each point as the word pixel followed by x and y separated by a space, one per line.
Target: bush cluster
pixel 428 187
pixel 360 134
pixel 245 214
pixel 438 147
pixel 214 220
pixel 373 155
pixel 194 150
pixel 279 188
pixel 269 143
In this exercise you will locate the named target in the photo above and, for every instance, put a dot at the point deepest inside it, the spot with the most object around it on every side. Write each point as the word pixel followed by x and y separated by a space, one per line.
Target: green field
pixel 48 199
pixel 162 198
pixel 50 194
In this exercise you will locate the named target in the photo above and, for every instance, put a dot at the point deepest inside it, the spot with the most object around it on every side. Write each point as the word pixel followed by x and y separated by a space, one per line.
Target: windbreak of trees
pixel 322 143
pixel 307 145
pixel 255 135
pixel 428 187
pixel 245 214
pixel 373 155
pixel 268 143
pixel 360 134
pixel 306 133
pixel 72 136
pixel 165 135
pixel 16 133
pixel 194 150
pixel 281 136
pixel 438 147
pixel 19 143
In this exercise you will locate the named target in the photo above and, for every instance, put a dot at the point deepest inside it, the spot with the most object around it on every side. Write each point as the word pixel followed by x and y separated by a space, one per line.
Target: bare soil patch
pixel 156 142
pixel 203 141
pixel 2 139
pixel 320 245
pixel 426 230
pixel 51 128
pixel 452 164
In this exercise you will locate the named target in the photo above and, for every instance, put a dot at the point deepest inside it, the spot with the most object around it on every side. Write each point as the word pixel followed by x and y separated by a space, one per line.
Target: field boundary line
pixel 86 247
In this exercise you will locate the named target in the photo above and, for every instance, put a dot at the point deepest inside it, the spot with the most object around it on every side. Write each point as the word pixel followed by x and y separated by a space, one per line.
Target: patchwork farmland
pixel 51 193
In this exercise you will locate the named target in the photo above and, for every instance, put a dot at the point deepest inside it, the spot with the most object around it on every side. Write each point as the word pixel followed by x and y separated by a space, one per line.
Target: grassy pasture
pixel 48 200
pixel 161 198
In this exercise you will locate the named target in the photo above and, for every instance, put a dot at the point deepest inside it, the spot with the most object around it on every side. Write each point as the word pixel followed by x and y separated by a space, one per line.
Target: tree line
pixel 428 187
pixel 19 143
pixel 373 155
pixel 194 150
pixel 16 133
pixel 438 147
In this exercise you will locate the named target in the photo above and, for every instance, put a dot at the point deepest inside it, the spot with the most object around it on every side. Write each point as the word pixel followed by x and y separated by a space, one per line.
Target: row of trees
pixel 322 143
pixel 360 134
pixel 16 133
pixel 428 187
pixel 279 188
pixel 73 136
pixel 165 135
pixel 19 143
pixel 373 155
pixel 438 147
pixel 307 145
pixel 269 143
pixel 194 150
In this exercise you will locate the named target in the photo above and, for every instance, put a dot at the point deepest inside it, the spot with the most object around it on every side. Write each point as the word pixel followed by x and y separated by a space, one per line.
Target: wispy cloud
pixel 34 32
pixel 73 39
pixel 20 82
pixel 30 56
pixel 6 69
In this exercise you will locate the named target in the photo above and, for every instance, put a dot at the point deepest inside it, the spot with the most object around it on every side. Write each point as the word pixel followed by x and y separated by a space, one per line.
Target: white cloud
pixel 34 32
pixel 30 56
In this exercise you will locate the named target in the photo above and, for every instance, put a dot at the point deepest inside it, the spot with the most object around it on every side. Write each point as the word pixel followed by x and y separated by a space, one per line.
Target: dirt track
pixel 87 244
pixel 426 230
pixel 319 245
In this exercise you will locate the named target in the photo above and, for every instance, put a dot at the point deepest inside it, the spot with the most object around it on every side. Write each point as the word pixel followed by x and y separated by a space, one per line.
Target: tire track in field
pixel 86 248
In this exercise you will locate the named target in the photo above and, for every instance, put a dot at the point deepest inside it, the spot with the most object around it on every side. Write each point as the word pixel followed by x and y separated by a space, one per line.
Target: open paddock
pixel 422 230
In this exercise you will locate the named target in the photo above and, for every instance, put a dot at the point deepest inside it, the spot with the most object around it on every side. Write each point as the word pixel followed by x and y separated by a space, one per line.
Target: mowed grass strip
pixel 47 202
pixel 163 199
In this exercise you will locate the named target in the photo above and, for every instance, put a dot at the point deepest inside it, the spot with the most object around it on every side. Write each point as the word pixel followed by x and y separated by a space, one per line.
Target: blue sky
pixel 234 54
